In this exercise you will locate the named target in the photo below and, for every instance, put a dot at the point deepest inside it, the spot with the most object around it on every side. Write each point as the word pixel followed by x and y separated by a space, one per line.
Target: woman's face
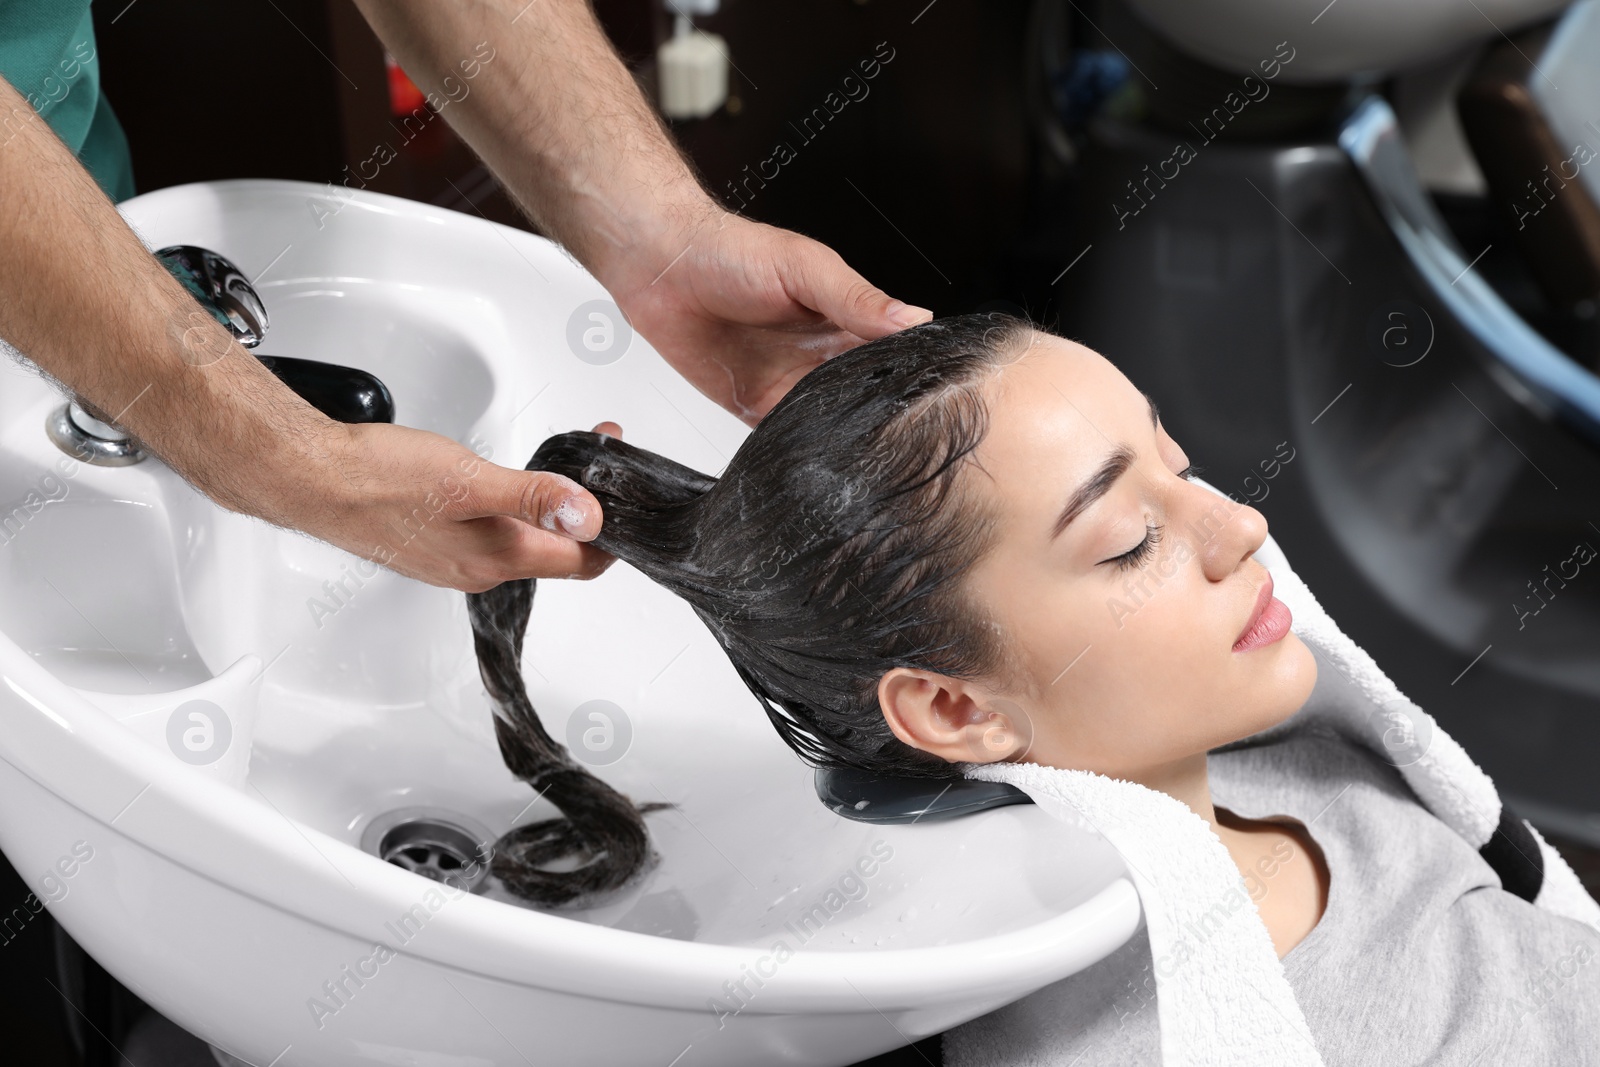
pixel 1119 588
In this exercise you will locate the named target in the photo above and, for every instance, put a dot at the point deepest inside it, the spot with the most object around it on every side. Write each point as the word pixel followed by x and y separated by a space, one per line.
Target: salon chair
pixel 1335 268
pixel 1425 350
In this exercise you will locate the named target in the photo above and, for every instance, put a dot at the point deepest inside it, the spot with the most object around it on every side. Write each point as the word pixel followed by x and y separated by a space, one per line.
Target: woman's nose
pixel 1225 533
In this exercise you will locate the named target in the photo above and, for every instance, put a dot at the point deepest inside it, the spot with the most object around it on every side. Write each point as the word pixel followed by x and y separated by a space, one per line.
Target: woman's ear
pixel 949 718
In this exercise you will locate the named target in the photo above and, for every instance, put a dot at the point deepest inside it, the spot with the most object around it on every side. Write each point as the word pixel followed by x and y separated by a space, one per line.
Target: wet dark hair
pixel 828 553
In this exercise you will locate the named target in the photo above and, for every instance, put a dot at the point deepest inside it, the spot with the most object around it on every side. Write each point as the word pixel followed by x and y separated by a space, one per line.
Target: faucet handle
pixel 221 288
pixel 341 393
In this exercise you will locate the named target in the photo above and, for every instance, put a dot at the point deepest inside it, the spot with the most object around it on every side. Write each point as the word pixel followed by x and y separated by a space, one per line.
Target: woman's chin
pixel 1295 672
pixel 1307 660
pixel 1285 674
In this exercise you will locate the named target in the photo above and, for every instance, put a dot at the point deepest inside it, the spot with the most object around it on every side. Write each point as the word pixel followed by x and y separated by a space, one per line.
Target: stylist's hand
pixel 747 309
pixel 430 508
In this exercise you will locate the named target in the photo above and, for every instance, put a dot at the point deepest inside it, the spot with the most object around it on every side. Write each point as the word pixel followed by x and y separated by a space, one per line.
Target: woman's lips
pixel 1268 623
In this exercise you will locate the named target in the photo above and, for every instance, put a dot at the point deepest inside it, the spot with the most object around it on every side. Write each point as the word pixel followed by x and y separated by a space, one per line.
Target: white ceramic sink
pixel 235 895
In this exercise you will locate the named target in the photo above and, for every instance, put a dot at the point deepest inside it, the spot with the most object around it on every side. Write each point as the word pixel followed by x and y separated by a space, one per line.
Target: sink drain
pixel 442 846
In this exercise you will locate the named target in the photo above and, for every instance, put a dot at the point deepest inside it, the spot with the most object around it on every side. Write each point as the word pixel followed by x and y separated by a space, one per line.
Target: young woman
pixel 974 541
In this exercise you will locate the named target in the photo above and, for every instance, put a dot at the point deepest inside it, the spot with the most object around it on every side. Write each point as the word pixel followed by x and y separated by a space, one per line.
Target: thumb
pixel 819 278
pixel 547 500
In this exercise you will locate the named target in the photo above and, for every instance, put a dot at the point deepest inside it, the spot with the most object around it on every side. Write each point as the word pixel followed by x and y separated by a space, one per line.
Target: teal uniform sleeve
pixel 48 54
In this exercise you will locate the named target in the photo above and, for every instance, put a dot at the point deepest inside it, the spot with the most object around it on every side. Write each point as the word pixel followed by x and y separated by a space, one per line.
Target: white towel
pixel 1221 994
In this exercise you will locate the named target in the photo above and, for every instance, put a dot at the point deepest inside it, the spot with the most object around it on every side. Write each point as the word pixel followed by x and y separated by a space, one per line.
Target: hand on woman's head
pixel 747 309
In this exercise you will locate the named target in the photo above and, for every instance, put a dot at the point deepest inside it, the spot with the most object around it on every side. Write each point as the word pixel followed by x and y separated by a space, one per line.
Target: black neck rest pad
pixel 867 797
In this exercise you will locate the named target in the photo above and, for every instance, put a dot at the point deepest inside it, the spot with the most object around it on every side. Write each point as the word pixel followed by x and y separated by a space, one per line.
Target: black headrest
pixel 867 797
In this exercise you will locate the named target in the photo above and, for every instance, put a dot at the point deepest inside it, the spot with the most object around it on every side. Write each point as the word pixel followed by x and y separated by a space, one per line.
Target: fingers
pixel 548 501
pixel 815 275
pixel 530 553
pixel 487 551
pixel 532 524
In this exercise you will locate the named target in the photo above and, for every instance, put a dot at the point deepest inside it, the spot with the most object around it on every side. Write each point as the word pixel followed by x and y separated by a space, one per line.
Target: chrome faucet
pixel 84 432
pixel 221 288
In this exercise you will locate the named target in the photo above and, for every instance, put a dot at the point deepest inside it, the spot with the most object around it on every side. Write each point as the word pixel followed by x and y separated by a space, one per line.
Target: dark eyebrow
pixel 1102 480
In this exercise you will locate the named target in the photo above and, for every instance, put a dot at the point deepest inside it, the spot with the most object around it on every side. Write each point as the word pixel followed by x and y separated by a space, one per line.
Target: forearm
pixel 557 117
pixel 83 299
pixel 745 310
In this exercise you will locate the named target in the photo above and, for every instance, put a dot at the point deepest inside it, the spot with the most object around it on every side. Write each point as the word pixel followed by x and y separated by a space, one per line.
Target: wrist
pixel 634 247
pixel 285 462
pixel 231 429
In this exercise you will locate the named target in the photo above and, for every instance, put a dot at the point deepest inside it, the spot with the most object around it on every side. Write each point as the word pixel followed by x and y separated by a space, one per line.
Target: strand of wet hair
pixel 597 823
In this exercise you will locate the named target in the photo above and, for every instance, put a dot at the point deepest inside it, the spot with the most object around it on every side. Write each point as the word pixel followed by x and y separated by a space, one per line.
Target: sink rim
pixel 488 937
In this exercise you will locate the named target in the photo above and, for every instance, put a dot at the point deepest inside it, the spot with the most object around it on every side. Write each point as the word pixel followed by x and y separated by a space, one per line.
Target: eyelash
pixel 1152 536
pixel 1139 552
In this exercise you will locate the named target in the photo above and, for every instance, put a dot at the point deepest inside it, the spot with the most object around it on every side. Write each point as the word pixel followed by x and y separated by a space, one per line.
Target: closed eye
pixel 1152 535
pixel 1139 552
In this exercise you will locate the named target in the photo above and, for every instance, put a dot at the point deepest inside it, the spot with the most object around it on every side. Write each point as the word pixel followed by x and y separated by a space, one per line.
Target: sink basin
pixel 206 723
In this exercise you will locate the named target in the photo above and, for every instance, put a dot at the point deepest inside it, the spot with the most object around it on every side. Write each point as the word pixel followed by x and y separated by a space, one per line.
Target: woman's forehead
pixel 1059 393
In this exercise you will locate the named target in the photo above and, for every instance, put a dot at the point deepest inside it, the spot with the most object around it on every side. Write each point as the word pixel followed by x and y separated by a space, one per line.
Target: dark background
pixel 944 123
